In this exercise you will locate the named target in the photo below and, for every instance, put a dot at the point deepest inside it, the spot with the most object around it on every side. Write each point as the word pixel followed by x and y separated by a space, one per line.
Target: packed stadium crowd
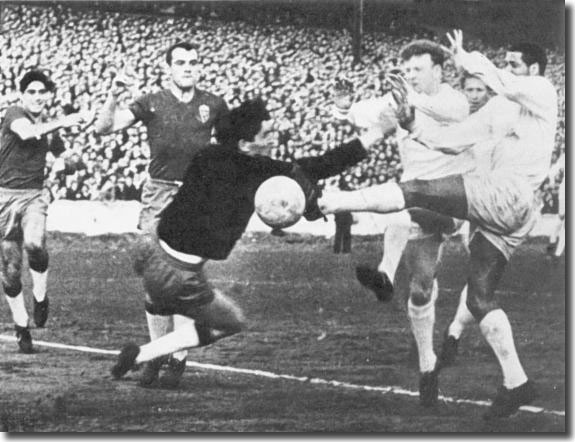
pixel 292 66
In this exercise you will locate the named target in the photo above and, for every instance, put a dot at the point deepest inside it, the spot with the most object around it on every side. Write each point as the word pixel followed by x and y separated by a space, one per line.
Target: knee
pixel 11 283
pixel 37 256
pixel 419 293
pixel 479 304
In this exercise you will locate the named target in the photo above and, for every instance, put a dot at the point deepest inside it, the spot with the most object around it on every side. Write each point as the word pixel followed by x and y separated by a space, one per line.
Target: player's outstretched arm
pixel 27 130
pixel 110 117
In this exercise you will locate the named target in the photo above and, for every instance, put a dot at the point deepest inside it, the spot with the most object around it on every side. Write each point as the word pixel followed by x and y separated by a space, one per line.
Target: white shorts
pixel 502 207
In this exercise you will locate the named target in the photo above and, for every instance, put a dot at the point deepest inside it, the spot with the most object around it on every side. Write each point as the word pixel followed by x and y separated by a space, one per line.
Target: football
pixel 279 201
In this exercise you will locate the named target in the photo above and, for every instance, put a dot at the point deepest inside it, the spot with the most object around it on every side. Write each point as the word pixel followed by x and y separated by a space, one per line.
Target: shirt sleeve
pixel 12 114
pixel 535 93
pixel 334 161
pixel 457 137
pixel 142 109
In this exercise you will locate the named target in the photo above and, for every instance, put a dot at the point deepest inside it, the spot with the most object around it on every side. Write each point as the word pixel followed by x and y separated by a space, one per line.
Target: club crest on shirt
pixel 204 113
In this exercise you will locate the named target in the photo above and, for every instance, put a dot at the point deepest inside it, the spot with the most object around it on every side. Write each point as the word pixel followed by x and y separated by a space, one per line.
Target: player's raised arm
pixel 110 117
pixel 530 89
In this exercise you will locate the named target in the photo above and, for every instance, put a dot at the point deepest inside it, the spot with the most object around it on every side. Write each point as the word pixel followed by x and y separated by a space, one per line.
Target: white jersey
pixel 433 111
pixel 420 161
pixel 518 125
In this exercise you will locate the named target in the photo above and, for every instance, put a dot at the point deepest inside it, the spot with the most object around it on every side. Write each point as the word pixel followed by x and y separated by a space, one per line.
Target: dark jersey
pixel 22 162
pixel 177 131
pixel 212 209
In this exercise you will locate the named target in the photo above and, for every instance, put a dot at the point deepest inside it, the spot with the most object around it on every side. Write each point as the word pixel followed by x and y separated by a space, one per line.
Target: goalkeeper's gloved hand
pixel 311 191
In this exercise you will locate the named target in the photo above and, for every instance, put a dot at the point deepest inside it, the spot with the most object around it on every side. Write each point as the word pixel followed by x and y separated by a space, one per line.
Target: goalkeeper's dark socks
pixel 375 281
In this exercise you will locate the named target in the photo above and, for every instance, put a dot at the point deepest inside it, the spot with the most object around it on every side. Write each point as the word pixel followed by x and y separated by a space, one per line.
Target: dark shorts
pixel 172 286
pixel 23 210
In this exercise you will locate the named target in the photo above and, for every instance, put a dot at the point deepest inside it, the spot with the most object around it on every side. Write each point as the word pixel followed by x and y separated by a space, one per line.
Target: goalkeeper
pixel 208 215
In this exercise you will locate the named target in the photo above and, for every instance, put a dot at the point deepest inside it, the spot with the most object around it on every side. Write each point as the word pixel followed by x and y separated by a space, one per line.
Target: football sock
pixel 18 309
pixel 382 198
pixel 182 338
pixel 463 316
pixel 159 325
pixel 496 329
pixel 39 281
pixel 179 322
pixel 422 319
pixel 394 243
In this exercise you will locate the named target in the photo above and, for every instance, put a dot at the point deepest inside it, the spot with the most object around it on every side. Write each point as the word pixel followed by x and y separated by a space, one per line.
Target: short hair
pixel 36 75
pixel 182 44
pixel 466 75
pixel 421 47
pixel 531 53
pixel 242 123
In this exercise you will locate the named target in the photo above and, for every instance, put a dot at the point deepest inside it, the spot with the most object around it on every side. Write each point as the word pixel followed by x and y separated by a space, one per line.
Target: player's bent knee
pixel 479 307
pixel 38 258
pixel 419 294
pixel 12 288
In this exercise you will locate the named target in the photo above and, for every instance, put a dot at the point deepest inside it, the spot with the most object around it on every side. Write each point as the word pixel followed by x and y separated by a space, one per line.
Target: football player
pixel 209 213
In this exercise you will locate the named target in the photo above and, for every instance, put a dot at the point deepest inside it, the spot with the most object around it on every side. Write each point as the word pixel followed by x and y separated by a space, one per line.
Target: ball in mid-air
pixel 279 201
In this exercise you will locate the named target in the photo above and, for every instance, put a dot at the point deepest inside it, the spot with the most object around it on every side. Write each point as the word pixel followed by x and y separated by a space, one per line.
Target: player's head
pixel 183 61
pixel 35 89
pixel 248 126
pixel 475 90
pixel 423 65
pixel 526 59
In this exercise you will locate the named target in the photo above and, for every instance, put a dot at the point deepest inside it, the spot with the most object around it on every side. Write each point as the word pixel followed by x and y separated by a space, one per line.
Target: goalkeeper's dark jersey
pixel 212 209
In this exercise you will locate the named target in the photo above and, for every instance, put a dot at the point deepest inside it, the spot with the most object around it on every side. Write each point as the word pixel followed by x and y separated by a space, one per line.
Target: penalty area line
pixel 304 379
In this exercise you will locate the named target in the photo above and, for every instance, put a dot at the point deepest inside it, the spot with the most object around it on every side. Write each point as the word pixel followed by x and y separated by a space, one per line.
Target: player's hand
pixel 72 120
pixel 343 93
pixel 455 41
pixel 402 94
pixel 311 191
pixel 87 117
pixel 124 79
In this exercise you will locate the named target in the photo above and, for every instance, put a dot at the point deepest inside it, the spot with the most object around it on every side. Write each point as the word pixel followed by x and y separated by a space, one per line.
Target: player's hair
pixel 421 47
pixel 465 76
pixel 531 53
pixel 36 75
pixel 187 46
pixel 242 123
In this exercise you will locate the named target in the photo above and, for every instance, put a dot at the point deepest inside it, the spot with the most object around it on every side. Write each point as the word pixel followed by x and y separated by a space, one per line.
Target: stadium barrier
pixel 99 218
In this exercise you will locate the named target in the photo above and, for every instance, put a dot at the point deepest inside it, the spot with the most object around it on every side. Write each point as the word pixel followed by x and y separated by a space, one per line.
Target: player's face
pixel 185 68
pixel 35 97
pixel 263 141
pixel 476 93
pixel 514 63
pixel 422 74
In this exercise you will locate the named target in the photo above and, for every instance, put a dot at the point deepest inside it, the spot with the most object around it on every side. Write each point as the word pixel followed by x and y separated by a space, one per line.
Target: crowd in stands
pixel 293 66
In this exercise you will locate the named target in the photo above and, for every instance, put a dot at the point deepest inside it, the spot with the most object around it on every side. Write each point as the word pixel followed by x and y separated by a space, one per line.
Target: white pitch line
pixel 271 375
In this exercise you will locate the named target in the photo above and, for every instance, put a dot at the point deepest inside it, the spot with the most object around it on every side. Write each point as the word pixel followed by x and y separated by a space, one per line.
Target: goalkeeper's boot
pixel 41 312
pixel 508 401
pixel 171 376
pixel 429 387
pixel 24 339
pixel 151 372
pixel 126 360
pixel 376 281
